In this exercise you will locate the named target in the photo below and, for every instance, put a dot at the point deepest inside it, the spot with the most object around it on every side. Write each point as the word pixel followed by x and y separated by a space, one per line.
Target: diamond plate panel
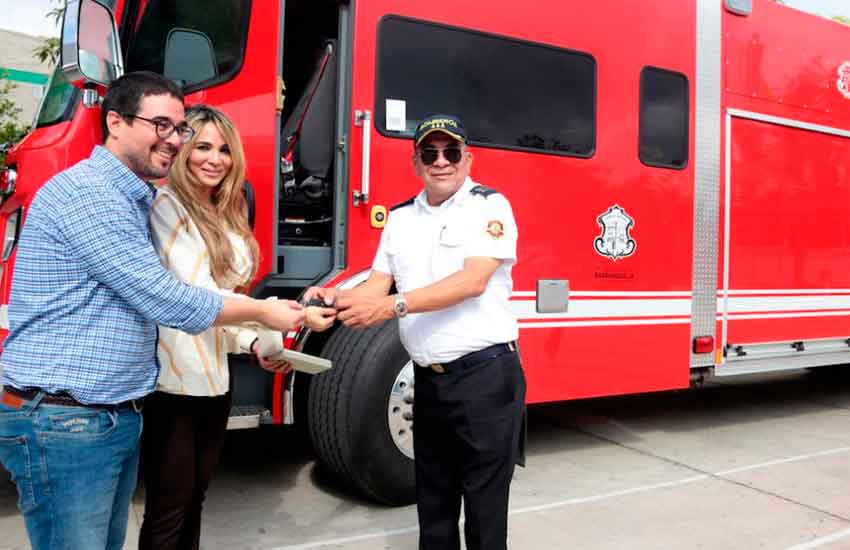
pixel 706 174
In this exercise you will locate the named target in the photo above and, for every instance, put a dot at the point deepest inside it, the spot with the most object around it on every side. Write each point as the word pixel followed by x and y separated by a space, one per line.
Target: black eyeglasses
pixel 429 155
pixel 164 128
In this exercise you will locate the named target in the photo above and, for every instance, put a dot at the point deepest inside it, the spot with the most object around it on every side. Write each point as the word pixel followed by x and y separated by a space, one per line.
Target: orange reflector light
pixel 703 344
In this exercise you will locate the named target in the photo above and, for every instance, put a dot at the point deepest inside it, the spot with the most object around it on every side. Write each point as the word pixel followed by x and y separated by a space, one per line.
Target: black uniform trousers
pixel 466 438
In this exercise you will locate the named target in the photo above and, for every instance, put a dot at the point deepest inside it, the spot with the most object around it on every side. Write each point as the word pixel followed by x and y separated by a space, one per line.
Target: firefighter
pixel 449 251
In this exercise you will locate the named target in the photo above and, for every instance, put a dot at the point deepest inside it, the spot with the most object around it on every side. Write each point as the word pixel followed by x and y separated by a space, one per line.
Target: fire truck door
pixel 785 297
pixel 234 67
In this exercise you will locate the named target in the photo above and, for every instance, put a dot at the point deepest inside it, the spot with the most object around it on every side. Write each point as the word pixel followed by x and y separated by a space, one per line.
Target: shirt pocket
pixel 449 255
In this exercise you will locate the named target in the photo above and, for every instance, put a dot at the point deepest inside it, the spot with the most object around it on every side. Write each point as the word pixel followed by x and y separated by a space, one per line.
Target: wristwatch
pixel 400 306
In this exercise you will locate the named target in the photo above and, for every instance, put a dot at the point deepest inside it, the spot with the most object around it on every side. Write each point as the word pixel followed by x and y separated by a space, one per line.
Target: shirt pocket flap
pixel 451 235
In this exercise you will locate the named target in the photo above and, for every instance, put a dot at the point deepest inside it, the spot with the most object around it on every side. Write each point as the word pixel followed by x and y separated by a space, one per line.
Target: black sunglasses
pixel 429 155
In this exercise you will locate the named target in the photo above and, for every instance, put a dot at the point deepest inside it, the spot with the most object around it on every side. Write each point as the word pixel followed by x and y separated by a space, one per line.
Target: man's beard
pixel 144 167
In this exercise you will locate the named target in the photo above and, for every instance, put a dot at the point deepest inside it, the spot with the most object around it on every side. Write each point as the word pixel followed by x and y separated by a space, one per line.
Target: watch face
pixel 400 307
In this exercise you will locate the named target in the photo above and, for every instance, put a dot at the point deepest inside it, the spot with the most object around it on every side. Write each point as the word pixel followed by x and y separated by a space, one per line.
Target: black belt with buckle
pixel 68 401
pixel 473 358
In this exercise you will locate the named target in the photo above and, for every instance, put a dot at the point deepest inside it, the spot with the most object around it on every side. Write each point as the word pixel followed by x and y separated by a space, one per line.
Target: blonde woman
pixel 200 228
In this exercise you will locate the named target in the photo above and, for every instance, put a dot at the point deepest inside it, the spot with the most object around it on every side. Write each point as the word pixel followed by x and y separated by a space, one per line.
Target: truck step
pixel 773 364
pixel 247 416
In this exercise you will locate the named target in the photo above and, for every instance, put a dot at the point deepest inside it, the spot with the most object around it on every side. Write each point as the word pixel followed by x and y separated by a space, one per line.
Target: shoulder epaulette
pixel 483 191
pixel 408 202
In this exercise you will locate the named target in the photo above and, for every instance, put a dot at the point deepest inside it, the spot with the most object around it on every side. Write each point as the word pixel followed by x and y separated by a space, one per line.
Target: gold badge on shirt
pixel 495 229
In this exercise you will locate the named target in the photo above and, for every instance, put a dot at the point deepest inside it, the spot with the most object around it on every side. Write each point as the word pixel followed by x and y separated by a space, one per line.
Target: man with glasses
pixel 87 294
pixel 449 251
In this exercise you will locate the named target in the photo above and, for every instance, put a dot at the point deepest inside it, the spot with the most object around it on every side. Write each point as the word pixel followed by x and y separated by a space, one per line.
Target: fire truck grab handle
pixel 364 118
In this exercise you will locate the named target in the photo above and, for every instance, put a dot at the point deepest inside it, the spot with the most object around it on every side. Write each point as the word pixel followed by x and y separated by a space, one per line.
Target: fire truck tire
pixel 347 413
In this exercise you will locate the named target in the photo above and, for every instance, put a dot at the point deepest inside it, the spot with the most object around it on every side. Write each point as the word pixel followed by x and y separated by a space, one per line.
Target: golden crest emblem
pixel 495 229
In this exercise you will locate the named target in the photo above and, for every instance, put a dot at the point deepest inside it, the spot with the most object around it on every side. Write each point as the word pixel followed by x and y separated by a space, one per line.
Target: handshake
pixel 354 308
pixel 320 307
pixel 323 306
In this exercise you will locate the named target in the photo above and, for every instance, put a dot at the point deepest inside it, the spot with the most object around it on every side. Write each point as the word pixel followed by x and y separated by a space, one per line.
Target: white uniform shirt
pixel 194 364
pixel 422 244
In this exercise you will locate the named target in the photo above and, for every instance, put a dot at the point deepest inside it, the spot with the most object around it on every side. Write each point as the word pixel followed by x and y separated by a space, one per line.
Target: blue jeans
pixel 75 469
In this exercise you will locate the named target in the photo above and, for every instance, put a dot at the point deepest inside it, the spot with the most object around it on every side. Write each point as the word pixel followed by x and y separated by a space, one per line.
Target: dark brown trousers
pixel 181 444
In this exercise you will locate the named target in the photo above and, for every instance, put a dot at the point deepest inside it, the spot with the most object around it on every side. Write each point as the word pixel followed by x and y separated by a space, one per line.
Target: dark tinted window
pixel 508 93
pixel 663 118
pixel 221 24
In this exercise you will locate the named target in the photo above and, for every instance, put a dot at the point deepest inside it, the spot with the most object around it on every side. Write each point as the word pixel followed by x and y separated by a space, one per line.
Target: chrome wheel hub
pixel 401 429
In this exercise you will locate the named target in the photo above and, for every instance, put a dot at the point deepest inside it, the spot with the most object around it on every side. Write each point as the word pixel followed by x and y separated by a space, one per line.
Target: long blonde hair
pixel 230 208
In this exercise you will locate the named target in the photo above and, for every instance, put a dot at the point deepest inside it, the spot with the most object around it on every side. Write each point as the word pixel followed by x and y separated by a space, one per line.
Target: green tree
pixel 48 50
pixel 10 129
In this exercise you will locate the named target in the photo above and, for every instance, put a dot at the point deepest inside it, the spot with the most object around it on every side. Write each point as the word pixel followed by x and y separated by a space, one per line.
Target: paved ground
pixel 742 464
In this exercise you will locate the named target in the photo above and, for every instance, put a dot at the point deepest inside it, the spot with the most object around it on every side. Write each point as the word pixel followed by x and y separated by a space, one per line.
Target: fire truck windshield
pixel 197 43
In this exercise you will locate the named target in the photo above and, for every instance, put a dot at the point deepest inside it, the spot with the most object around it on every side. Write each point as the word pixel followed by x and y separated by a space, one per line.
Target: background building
pixel 18 64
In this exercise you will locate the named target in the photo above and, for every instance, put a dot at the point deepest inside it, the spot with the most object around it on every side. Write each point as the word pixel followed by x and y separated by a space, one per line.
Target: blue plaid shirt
pixel 88 289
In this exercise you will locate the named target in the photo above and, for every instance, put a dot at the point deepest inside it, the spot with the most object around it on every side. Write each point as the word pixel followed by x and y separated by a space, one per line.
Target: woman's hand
pixel 271 365
pixel 327 295
pixel 319 318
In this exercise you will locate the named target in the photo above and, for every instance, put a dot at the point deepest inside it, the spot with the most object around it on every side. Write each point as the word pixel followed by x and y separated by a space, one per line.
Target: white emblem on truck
pixel 615 241
pixel 843 82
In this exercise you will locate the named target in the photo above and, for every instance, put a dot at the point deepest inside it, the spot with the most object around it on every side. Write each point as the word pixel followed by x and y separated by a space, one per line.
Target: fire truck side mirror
pixel 189 57
pixel 91 52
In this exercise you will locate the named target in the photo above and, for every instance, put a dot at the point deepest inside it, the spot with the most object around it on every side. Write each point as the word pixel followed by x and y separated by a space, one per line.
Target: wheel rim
pixel 401 430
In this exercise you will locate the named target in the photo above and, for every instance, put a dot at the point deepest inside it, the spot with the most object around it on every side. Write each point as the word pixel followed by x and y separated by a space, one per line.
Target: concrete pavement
pixel 740 464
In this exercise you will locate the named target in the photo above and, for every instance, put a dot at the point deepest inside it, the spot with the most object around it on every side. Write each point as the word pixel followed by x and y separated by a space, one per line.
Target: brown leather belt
pixel 66 400
pixel 472 358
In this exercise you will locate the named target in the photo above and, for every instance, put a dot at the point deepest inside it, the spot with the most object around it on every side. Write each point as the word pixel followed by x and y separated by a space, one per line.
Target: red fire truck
pixel 678 173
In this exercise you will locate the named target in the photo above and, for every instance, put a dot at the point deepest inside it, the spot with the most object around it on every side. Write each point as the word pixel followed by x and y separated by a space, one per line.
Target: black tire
pixel 348 413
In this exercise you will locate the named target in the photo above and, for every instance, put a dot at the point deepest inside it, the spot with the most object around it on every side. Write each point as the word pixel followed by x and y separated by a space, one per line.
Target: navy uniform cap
pixel 448 124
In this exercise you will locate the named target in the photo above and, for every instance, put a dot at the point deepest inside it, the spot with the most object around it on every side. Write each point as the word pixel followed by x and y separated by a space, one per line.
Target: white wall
pixel 16 52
